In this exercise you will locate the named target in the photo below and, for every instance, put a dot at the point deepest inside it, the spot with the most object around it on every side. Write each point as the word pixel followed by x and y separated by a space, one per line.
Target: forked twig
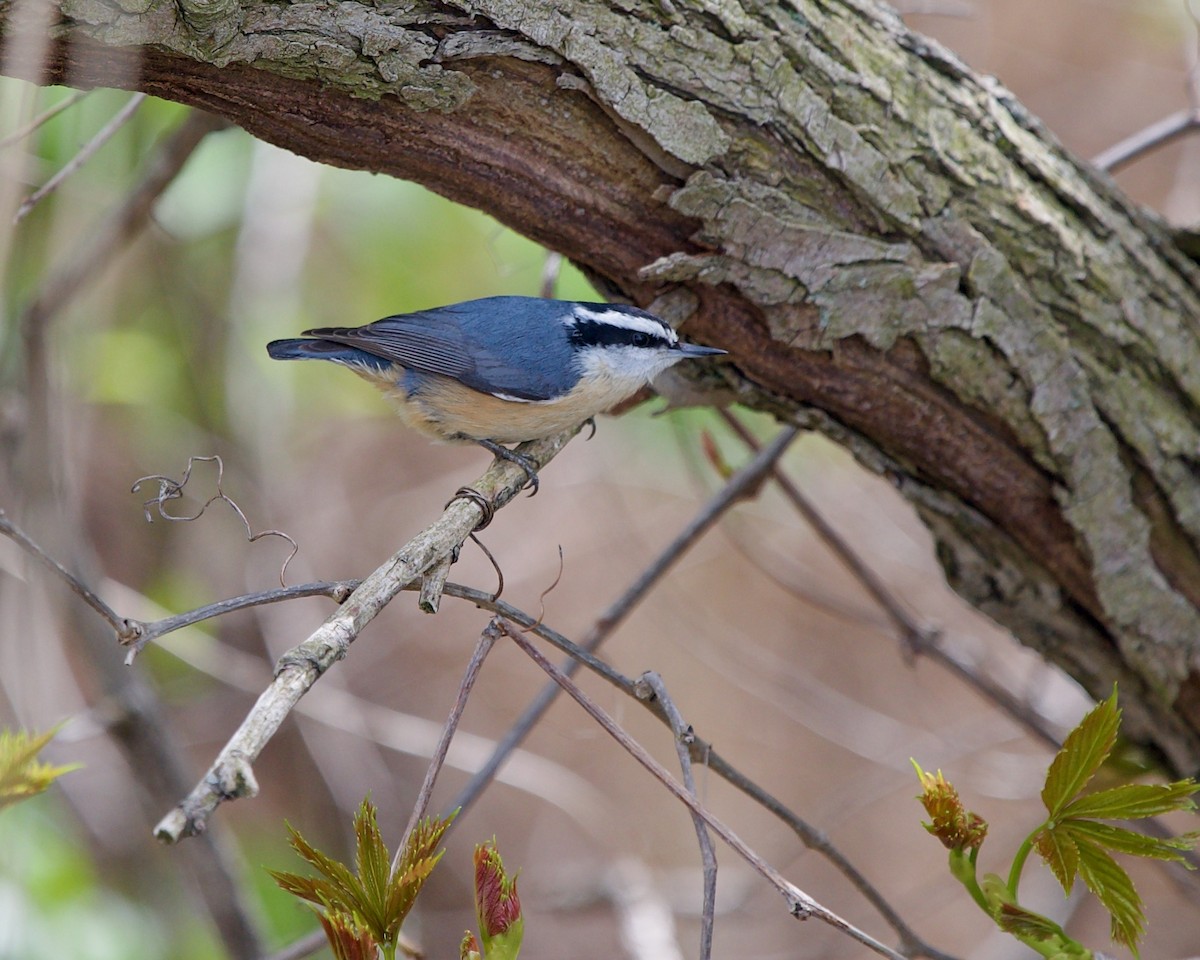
pixel 1170 128
pixel 800 904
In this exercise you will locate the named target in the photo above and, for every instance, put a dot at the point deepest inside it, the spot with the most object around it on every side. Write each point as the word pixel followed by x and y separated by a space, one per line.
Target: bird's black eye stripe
pixel 594 334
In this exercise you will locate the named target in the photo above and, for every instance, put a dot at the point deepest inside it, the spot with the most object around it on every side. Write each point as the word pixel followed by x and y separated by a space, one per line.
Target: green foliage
pixel 22 774
pixel 1071 841
pixel 366 906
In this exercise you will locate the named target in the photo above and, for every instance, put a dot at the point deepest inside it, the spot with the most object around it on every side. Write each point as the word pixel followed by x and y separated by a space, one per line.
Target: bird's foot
pixel 503 453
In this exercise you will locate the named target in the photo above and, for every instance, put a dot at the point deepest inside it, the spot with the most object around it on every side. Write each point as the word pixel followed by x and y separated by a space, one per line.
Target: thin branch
pixel 650 686
pixel 144 633
pixel 122 627
pixel 914 635
pixel 123 222
pixel 231 775
pixel 739 486
pixel 42 119
pixel 1153 135
pixel 86 152
pixel 800 904
pixel 936 8
pixel 338 709
pixel 487 640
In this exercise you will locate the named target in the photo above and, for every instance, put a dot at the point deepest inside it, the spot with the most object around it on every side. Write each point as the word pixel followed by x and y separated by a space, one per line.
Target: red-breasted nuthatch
pixel 502 369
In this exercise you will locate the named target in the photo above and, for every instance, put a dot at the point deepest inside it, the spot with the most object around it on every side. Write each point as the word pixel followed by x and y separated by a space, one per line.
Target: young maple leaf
pixel 22 774
pixel 1073 843
pixel 501 925
pixel 371 899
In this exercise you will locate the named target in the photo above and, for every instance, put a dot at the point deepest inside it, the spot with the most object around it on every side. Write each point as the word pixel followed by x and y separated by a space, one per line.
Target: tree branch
pixel 231 775
pixel 800 904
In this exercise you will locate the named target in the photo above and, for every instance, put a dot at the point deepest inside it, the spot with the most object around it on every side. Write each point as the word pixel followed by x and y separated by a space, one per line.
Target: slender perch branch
pixel 650 686
pixel 231 775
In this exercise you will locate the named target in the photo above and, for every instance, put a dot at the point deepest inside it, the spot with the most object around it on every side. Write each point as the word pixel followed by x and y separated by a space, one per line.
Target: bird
pixel 502 369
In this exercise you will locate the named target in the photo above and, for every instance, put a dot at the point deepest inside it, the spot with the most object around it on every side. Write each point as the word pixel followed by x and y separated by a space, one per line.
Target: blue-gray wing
pixel 513 346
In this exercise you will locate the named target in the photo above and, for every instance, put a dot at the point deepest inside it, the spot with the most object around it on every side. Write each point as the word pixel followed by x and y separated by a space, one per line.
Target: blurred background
pixel 771 649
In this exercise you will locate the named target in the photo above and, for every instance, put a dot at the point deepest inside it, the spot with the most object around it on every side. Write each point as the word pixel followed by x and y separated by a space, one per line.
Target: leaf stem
pixel 1018 864
pixel 963 869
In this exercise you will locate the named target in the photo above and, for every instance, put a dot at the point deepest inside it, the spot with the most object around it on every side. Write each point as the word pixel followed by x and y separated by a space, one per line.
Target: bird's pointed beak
pixel 695 350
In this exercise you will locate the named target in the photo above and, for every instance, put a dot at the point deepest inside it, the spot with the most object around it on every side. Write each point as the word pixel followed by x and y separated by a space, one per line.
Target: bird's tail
pixel 323 350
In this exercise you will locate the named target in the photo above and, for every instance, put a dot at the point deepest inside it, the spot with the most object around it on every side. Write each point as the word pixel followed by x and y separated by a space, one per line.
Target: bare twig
pixel 231 775
pixel 487 640
pixel 122 117
pixel 169 489
pixel 936 8
pixel 122 223
pixel 739 486
pixel 42 119
pixel 650 686
pixel 9 529
pixel 1163 131
pixel 1153 135
pixel 800 904
pixel 914 635
pixel 144 633
pixel 702 751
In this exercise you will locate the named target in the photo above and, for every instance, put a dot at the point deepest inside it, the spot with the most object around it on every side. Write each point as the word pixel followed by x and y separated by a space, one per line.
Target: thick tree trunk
pixel 894 252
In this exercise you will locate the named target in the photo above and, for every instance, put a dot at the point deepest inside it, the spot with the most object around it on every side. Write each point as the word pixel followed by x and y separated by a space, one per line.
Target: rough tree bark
pixel 892 249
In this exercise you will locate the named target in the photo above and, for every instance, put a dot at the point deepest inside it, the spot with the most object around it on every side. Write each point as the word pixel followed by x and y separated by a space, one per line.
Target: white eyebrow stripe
pixel 629 321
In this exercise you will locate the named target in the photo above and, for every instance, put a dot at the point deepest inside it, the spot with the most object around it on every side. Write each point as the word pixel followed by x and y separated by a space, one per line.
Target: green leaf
pixel 22 775
pixel 1134 801
pixel 344 890
pixel 1114 888
pixel 1056 846
pixel 1082 753
pixel 1131 842
pixel 373 864
pixel 311 889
